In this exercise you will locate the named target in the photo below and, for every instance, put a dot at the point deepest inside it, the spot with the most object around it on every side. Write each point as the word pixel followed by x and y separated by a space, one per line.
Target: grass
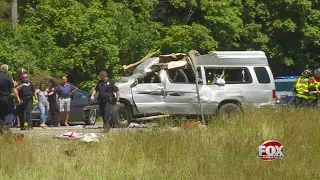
pixel 227 149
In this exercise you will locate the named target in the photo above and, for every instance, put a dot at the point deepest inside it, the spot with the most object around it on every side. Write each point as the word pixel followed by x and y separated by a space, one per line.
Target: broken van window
pixel 232 75
pixel 150 77
pixel 179 75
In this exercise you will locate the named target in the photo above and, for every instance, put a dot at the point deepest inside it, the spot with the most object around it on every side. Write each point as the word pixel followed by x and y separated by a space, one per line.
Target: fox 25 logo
pixel 270 150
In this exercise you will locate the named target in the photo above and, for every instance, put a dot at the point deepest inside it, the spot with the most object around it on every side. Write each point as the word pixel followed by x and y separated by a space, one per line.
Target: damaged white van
pixel 227 80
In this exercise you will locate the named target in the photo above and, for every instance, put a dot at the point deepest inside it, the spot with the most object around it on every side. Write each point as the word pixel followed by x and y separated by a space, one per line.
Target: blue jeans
pixel 43 113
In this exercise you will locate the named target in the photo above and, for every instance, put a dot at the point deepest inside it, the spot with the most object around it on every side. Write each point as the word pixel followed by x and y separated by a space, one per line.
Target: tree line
pixel 79 38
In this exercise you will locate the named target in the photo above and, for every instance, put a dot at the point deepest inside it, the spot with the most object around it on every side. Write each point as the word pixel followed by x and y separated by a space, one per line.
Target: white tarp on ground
pixel 86 137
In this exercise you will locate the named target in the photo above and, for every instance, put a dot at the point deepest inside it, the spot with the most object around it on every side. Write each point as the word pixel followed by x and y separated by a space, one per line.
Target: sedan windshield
pixel 284 86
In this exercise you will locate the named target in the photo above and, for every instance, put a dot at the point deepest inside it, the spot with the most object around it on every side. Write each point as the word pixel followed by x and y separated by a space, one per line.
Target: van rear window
pixel 262 75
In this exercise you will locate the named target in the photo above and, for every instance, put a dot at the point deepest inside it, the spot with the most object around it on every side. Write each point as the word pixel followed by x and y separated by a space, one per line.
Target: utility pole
pixel 14 13
pixel 191 59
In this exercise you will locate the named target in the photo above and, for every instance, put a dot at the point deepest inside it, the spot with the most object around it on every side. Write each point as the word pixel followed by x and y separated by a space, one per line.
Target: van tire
pixel 121 115
pixel 229 109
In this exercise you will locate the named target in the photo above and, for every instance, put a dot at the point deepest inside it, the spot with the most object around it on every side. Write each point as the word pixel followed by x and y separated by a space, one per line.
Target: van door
pixel 181 92
pixel 148 94
pixel 238 85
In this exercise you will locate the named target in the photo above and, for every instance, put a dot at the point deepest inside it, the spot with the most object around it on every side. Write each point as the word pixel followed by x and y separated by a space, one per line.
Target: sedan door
pixel 78 102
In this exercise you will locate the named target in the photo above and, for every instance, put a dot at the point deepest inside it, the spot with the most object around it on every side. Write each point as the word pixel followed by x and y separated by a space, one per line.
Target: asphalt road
pixel 97 128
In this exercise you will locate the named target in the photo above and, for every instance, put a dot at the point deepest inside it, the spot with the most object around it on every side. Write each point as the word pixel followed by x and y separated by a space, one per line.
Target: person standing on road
pixel 52 98
pixel 106 98
pixel 26 92
pixel 17 121
pixel 43 104
pixel 6 88
pixel 13 113
pixel 64 92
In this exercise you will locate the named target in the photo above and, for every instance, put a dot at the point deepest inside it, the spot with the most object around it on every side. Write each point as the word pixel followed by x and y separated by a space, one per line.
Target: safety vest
pixel 302 86
pixel 314 86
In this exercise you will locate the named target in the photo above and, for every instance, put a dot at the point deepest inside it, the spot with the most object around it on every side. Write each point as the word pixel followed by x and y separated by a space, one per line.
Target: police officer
pixel 301 89
pixel 6 88
pixel 106 99
pixel 26 92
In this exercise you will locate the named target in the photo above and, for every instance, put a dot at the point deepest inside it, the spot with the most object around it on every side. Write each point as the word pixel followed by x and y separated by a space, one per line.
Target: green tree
pixel 81 37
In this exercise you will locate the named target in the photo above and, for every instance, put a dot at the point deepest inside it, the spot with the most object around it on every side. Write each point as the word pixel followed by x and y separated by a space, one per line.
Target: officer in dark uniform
pixel 6 88
pixel 106 99
pixel 26 92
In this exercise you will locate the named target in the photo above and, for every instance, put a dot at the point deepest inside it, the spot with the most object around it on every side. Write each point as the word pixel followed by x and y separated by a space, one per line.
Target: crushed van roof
pixel 213 58
pixel 210 60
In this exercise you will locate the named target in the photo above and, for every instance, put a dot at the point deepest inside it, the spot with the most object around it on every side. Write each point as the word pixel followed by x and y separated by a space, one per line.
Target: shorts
pixel 64 104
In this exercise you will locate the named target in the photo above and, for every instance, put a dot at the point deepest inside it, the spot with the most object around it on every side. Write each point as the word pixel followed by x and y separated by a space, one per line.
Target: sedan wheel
pixel 91 119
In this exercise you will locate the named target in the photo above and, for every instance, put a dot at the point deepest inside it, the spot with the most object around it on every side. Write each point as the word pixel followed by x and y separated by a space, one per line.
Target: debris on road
pixel 196 124
pixel 90 137
pixel 136 125
pixel 80 126
pixel 87 137
pixel 19 138
pixel 174 129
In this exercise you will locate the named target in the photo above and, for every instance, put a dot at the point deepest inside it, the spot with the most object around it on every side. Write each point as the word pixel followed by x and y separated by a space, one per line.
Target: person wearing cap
pixel 301 88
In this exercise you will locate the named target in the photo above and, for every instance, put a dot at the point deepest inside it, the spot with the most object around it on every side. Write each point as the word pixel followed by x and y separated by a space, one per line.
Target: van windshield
pixel 284 86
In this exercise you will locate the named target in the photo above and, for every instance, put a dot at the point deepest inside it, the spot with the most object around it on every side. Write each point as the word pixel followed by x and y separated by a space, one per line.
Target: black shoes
pixel 106 128
pixel 24 128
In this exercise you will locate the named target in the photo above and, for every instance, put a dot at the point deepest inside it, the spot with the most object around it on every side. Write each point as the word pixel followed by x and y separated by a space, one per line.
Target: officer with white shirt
pixel 26 92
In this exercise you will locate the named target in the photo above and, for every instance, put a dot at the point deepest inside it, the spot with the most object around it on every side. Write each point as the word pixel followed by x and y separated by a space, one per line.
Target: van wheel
pixel 121 115
pixel 229 110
